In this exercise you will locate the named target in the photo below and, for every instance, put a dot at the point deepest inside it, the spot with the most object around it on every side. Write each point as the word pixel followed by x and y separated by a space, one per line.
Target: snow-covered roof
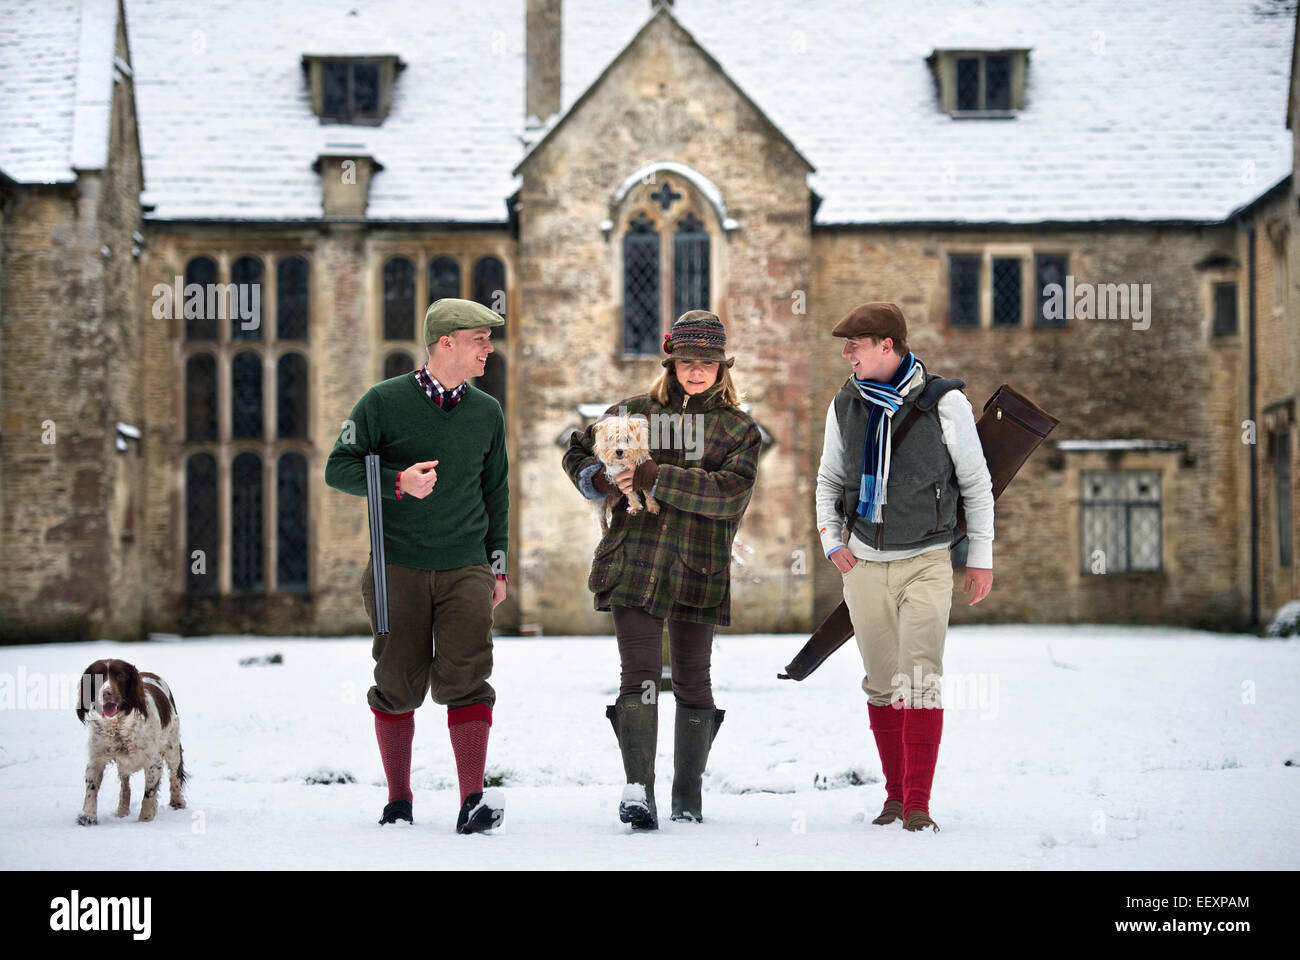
pixel 56 88
pixel 1160 110
pixel 228 132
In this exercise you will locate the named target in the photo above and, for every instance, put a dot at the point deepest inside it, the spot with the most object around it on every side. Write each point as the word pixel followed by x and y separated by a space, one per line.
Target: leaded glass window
pixel 291 522
pixel 641 287
pixel 997 82
pixel 200 322
pixel 291 299
pixel 246 299
pixel 201 525
pixel 964 291
pixel 397 363
pixel 246 395
pixel 1006 292
pixel 246 522
pixel 983 83
pixel 1225 309
pixel 399 299
pixel 291 396
pixel 350 89
pixel 968 83
pixel 201 398
pixel 444 278
pixel 1121 521
pixel 490 289
pixel 1049 268
pixel 690 266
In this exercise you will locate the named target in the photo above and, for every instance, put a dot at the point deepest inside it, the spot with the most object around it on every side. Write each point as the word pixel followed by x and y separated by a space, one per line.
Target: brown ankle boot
pixel 893 810
pixel 919 820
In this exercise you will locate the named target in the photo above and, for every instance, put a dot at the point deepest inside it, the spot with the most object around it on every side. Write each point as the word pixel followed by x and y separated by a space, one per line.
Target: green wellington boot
pixel 693 736
pixel 636 725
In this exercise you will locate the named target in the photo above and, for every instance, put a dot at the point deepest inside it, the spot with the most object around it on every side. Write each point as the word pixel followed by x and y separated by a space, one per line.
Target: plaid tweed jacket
pixel 677 564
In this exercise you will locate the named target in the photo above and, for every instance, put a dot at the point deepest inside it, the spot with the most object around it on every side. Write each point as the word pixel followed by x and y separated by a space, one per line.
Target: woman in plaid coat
pixel 674 565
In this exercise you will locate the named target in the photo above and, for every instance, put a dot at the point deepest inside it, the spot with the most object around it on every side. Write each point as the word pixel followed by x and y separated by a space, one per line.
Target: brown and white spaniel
pixel 133 723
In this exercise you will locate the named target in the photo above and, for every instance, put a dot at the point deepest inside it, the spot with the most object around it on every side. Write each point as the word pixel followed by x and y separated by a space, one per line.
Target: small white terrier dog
pixel 621 443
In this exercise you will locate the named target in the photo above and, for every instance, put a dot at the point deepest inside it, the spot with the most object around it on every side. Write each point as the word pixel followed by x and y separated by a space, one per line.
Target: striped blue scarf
pixel 884 400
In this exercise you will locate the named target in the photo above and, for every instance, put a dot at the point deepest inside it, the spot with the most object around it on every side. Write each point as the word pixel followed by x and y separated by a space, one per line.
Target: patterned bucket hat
pixel 697 335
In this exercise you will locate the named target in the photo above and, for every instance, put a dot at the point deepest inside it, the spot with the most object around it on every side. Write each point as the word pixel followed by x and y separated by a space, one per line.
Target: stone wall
pixel 70 565
pixel 662 100
pixel 1103 378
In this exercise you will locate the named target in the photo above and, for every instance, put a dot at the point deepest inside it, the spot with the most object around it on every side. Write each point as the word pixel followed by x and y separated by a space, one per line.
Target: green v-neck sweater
pixel 465 519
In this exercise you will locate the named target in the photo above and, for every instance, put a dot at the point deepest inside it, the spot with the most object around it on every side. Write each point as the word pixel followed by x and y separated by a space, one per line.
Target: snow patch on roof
pixel 94 103
pixel 228 132
pixel 38 77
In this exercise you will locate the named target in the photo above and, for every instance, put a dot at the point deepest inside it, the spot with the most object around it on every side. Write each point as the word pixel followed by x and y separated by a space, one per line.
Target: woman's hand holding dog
pixel 419 478
pixel 603 485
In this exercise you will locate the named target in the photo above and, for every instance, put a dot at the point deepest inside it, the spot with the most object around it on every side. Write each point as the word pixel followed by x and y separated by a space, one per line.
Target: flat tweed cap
pixel 876 319
pixel 697 335
pixel 448 314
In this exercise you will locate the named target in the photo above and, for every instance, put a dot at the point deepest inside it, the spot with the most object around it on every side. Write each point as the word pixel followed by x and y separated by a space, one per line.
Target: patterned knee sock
pixel 395 731
pixel 469 739
pixel 887 726
pixel 922 731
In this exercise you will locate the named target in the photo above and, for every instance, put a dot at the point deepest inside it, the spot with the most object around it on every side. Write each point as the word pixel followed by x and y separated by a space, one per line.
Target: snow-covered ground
pixel 1064 748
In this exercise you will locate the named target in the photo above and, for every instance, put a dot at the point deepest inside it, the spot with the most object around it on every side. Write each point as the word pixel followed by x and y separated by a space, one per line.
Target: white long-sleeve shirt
pixel 957 419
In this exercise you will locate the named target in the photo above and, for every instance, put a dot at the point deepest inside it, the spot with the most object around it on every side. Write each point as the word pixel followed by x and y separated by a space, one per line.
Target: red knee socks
pixel 922 727
pixel 469 739
pixel 395 731
pixel 887 726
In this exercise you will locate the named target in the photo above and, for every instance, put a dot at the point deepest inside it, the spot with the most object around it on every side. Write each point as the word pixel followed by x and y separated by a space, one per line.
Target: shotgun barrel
pixel 374 503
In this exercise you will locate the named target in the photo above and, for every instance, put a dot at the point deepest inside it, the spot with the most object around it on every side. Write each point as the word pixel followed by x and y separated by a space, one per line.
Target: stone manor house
pixel 590 169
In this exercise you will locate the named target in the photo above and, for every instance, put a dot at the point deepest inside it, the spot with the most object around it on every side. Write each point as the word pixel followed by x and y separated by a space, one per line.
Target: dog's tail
pixel 181 775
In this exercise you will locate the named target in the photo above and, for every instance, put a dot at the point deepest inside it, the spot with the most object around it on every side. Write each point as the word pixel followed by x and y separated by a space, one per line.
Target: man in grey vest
pixel 898 510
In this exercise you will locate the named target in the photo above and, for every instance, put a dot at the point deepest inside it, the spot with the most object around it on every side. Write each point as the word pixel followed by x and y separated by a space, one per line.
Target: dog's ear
pixel 642 417
pixel 92 678
pixel 132 691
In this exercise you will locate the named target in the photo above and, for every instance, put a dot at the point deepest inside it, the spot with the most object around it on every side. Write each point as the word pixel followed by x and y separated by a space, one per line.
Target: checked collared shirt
pixel 437 392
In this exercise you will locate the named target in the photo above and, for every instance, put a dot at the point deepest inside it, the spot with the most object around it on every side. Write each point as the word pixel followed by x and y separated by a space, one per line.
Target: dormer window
pixel 351 89
pixel 980 83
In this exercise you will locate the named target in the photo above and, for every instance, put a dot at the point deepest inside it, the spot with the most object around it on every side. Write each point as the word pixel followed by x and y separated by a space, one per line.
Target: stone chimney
pixel 545 38
pixel 345 181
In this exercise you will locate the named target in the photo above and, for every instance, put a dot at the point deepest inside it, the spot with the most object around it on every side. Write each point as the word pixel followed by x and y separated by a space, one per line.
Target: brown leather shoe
pixel 893 810
pixel 919 820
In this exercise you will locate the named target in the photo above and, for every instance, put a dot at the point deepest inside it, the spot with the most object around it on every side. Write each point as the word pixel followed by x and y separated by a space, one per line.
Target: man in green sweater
pixel 443 475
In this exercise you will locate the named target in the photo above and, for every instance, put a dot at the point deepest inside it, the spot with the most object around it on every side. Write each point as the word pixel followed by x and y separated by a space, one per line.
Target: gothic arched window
pixel 201 398
pixel 245 303
pixel 490 288
pixel 291 396
pixel 246 395
pixel 690 266
pixel 399 299
pixel 291 522
pixel 444 279
pixel 246 522
pixel 397 363
pixel 200 322
pixel 201 523
pixel 291 299
pixel 641 312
